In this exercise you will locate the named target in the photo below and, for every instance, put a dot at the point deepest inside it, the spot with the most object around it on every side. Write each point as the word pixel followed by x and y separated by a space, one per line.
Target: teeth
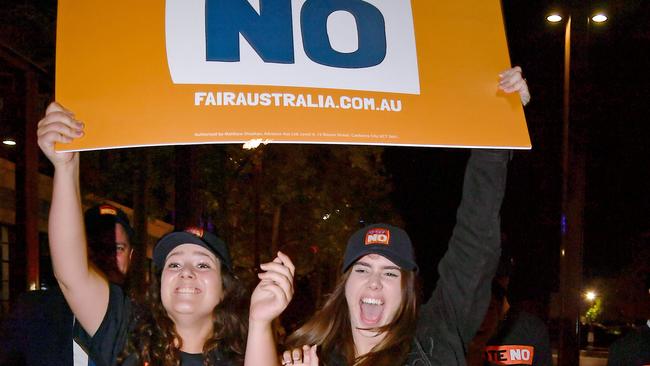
pixel 370 301
pixel 186 290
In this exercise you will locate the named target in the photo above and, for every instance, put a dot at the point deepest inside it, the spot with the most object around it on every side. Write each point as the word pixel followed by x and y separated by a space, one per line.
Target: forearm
pixel 85 290
pixel 66 230
pixel 260 345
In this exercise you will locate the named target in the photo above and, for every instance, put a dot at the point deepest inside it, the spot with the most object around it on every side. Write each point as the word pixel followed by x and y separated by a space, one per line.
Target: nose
pixel 374 282
pixel 187 272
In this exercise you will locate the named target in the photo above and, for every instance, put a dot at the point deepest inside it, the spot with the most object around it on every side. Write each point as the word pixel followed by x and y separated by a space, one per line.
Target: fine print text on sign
pixel 315 71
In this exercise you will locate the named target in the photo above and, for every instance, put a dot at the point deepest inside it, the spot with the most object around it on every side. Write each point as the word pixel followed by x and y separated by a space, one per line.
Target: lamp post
pixel 590 296
pixel 573 180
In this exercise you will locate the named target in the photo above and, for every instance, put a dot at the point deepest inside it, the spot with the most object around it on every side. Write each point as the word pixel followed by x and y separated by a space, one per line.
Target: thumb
pixel 314 356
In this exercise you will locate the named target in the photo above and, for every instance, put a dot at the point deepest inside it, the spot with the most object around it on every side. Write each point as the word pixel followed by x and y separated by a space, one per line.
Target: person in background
pixel 509 336
pixel 634 348
pixel 38 331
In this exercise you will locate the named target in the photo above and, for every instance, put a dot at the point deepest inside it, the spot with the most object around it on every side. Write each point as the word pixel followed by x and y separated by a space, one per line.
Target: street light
pixel 599 18
pixel 590 295
pixel 554 18
pixel 573 160
pixel 592 313
pixel 9 141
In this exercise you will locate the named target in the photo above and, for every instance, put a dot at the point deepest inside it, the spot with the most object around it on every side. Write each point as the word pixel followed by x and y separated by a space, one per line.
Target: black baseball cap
pixel 383 239
pixel 191 235
pixel 104 213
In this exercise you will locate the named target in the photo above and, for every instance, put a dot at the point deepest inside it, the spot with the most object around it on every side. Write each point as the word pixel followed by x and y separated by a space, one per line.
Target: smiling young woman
pixel 193 314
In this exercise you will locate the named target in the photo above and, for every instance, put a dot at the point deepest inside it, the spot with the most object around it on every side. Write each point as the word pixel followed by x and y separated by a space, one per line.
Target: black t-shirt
pixel 187 359
pixel 522 339
pixel 108 342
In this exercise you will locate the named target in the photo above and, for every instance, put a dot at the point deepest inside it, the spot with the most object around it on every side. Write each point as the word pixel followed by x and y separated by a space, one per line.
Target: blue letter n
pixel 270 32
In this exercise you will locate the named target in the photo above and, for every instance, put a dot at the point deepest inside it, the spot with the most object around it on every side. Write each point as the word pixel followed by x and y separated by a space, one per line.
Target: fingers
pixel 305 356
pixel 277 268
pixel 512 80
pixel 509 79
pixel 293 357
pixel 56 113
pixel 296 355
pixel 56 107
pixel 514 85
pixel 278 291
pixel 280 272
pixel 282 260
pixel 313 355
pixel 287 262
pixel 61 128
pixel 275 290
pixel 58 125
pixel 286 358
pixel 278 279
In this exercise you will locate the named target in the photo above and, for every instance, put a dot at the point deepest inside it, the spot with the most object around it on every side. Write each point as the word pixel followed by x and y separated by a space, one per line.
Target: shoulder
pixel 529 320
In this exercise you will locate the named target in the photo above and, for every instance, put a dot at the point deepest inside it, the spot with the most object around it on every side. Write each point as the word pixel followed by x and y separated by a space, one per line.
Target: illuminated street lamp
pixel 592 313
pixel 590 296
pixel 554 18
pixel 9 141
pixel 599 18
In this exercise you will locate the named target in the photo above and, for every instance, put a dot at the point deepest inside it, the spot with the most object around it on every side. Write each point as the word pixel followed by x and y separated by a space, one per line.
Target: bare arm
pixel 85 290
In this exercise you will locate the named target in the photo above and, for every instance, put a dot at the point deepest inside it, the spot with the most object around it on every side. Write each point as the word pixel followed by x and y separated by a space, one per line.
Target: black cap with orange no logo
pixel 191 235
pixel 383 239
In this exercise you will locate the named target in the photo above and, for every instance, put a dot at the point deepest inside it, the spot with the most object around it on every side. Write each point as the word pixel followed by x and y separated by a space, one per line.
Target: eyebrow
pixel 383 267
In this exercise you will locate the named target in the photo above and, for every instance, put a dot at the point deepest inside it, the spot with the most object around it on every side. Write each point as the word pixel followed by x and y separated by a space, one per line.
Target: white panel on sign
pixel 334 45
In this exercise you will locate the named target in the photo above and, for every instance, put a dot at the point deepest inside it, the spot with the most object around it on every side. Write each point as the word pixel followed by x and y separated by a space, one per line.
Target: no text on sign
pixel 338 44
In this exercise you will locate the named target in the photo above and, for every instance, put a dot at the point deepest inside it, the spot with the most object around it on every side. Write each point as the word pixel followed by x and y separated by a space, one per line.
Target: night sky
pixel 613 89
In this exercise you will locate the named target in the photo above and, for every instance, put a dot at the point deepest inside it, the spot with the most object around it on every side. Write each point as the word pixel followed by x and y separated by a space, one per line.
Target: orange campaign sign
pixel 399 72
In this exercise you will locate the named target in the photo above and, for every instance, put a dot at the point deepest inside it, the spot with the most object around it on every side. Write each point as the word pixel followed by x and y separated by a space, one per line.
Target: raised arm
pixel 450 318
pixel 85 290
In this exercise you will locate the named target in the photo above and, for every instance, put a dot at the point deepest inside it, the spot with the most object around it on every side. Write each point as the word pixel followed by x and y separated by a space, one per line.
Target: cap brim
pixel 405 265
pixel 171 241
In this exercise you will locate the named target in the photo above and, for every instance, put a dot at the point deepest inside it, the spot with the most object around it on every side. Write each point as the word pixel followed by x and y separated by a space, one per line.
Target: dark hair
pixel 100 235
pixel 155 341
pixel 331 330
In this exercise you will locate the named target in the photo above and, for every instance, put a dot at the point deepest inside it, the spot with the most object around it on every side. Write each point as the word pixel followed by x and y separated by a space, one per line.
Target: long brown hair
pixel 331 330
pixel 154 339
